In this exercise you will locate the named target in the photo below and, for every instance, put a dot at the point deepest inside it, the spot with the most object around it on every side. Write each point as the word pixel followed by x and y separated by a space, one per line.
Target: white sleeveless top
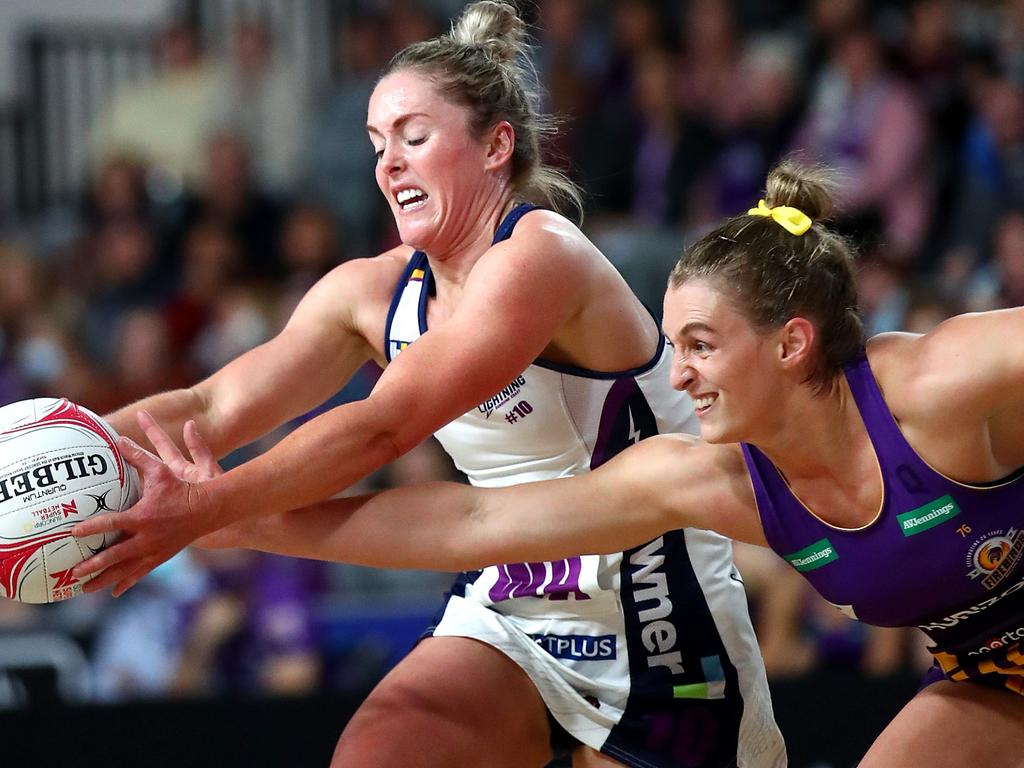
pixel 657 634
pixel 550 421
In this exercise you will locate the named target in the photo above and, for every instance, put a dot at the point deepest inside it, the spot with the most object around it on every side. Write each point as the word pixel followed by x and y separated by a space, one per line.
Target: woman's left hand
pixel 167 518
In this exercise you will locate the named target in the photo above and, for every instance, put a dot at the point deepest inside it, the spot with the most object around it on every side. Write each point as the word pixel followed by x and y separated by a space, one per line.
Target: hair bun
pixel 810 189
pixel 493 25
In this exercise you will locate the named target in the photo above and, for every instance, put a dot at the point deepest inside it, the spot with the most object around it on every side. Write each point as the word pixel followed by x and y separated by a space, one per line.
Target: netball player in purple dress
pixel 886 473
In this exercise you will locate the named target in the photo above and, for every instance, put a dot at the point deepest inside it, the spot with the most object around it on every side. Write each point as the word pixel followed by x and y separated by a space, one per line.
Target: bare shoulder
pixel 358 280
pixel 367 273
pixel 355 295
pixel 965 354
pixel 547 263
pixel 545 233
pixel 899 363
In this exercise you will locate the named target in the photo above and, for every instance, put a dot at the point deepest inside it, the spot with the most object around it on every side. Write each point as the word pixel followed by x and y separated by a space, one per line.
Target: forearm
pixel 430 526
pixel 170 409
pixel 453 527
pixel 315 462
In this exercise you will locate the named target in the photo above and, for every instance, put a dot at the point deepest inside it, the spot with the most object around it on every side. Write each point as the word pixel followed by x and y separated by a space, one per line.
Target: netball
pixel 58 465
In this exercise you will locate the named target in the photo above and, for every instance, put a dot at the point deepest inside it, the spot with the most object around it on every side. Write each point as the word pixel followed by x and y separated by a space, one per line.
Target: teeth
pixel 407 194
pixel 704 402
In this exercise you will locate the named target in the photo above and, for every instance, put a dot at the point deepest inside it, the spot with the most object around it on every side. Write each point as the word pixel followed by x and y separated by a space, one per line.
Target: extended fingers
pixel 200 449
pixel 106 558
pixel 137 456
pixel 158 437
pixel 109 577
pixel 105 523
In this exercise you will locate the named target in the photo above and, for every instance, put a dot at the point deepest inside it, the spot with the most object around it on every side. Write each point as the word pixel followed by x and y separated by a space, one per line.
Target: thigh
pixel 951 725
pixel 451 701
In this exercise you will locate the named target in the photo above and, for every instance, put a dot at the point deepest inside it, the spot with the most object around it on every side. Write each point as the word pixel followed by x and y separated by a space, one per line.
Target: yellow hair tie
pixel 793 220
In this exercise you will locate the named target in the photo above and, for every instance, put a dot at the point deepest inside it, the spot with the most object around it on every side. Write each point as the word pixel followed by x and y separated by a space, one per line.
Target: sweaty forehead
pixel 404 93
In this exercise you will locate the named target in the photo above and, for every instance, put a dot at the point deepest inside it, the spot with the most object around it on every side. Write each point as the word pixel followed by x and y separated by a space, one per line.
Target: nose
pixel 392 160
pixel 682 375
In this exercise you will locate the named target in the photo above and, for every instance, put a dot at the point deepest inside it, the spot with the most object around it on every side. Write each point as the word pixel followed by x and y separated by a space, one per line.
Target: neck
pixel 815 436
pixel 451 265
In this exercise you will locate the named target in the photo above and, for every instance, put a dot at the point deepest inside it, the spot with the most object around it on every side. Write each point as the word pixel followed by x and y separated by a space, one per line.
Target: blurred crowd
pixel 223 187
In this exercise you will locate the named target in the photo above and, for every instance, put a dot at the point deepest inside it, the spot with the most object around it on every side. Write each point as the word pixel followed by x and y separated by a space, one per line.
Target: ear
pixel 501 140
pixel 796 342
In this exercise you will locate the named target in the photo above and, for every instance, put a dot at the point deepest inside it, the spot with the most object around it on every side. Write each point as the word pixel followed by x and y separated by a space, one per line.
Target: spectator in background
pixel 825 22
pixel 708 78
pixel 124 275
pixel 338 163
pixel 212 260
pixel 932 57
pixel 637 28
pixel 117 193
pixel 1010 39
pixel 310 248
pixel 144 359
pixel 228 195
pixel 263 100
pixel 407 22
pixel 869 126
pixel 765 107
pixel 670 149
pixel 164 120
pixel 569 57
pixel 252 631
pixel 139 643
pixel 991 180
pixel 20 278
pixel 1000 283
pixel 883 292
pixel 238 323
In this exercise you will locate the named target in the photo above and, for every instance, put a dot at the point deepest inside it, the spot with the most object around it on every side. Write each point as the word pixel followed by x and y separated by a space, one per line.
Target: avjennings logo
pixel 815 556
pixel 928 516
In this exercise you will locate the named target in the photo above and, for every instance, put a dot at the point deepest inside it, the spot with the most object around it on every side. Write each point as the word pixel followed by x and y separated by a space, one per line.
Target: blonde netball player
pixel 501 321
pixel 889 475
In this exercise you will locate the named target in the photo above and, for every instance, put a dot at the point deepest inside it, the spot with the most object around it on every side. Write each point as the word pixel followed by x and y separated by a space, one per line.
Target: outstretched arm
pixel 316 352
pixel 516 299
pixel 663 483
pixel 660 484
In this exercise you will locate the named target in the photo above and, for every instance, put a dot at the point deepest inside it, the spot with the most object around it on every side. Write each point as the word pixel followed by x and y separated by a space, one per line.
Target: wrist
pixel 203 507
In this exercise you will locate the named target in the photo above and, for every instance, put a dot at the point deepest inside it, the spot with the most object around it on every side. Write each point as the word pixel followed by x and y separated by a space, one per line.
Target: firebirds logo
pixel 994 557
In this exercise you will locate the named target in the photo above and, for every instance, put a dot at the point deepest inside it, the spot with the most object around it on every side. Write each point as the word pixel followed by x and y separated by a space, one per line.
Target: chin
pixel 715 435
pixel 414 236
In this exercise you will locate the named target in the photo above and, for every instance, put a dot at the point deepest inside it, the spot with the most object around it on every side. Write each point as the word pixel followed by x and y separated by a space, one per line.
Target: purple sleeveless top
pixel 943 556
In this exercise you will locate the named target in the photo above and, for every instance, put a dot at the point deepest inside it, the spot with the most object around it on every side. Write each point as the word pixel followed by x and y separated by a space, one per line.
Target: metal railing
pixel 68 74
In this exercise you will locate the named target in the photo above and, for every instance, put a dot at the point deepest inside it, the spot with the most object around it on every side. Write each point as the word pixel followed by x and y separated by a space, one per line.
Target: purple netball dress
pixel 943 556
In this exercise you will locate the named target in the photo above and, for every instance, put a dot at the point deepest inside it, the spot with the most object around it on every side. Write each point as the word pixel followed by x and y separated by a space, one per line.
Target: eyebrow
pixel 694 325
pixel 398 123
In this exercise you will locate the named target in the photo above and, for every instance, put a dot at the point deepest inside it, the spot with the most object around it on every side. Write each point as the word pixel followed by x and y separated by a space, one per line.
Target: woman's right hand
pixel 199 466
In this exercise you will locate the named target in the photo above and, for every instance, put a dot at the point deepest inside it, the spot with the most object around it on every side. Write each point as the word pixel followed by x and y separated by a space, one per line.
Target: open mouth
pixel 702 403
pixel 411 198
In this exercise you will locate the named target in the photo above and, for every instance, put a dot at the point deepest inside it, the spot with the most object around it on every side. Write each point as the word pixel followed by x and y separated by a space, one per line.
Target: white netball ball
pixel 59 465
